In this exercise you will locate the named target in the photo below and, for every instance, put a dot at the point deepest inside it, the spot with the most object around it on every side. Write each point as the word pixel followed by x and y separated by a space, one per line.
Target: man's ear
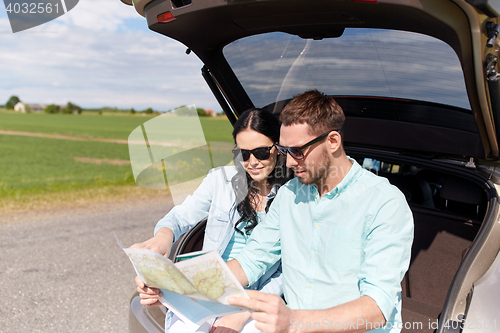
pixel 334 140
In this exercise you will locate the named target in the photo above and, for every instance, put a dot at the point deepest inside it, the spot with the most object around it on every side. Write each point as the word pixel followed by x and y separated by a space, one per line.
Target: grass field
pixel 94 126
pixel 37 169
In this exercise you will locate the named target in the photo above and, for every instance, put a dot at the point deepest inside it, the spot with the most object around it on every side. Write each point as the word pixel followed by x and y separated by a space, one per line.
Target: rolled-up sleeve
pixel 387 254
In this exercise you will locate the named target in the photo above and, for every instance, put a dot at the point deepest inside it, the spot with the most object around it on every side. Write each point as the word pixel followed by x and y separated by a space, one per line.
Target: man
pixel 344 235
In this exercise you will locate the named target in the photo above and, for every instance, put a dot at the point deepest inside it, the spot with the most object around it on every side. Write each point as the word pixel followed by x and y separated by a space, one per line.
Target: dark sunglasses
pixel 262 153
pixel 297 152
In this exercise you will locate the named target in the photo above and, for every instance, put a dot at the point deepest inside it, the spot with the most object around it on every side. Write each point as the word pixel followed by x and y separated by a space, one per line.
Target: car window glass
pixel 362 62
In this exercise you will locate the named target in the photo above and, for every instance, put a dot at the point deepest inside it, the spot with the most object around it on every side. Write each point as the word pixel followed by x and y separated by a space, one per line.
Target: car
pixel 418 82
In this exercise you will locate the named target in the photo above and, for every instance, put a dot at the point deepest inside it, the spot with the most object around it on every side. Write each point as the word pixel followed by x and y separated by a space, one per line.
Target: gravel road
pixel 68 274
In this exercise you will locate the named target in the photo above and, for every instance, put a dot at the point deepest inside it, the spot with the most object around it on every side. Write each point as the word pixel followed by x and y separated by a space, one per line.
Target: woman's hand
pixel 231 323
pixel 149 296
pixel 161 242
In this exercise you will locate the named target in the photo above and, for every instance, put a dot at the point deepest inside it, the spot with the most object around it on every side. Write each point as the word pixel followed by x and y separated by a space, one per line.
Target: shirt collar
pixel 273 191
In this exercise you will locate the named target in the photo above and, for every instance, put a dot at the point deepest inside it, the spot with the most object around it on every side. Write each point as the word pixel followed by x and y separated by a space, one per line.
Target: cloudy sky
pixel 101 53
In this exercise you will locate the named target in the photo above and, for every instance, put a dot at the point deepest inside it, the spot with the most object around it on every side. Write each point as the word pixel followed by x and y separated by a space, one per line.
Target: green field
pixel 33 165
pixel 37 166
pixel 94 126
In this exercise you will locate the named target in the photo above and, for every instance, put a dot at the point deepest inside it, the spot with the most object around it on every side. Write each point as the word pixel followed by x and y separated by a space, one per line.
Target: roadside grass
pixel 44 173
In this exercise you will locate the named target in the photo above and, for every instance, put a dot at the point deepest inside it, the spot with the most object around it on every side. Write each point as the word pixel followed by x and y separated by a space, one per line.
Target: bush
pixel 72 108
pixel 52 108
pixel 201 112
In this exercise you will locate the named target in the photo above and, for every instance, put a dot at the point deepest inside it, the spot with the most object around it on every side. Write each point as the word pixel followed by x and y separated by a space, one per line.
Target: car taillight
pixel 165 17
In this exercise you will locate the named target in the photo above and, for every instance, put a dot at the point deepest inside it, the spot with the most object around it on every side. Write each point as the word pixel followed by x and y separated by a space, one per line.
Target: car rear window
pixel 362 62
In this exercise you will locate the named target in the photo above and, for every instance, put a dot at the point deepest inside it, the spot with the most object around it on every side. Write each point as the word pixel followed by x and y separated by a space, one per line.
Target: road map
pixel 196 288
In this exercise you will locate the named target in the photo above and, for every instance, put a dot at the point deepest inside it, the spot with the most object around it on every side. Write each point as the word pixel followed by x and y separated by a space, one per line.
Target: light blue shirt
pixel 215 199
pixel 353 241
pixel 238 240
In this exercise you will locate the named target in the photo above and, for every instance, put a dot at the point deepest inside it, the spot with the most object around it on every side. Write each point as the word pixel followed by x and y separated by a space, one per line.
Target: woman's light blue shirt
pixel 238 240
pixel 215 199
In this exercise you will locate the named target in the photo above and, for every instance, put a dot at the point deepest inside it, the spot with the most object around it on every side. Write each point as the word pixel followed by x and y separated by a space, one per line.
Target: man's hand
pixel 149 296
pixel 161 242
pixel 231 323
pixel 271 316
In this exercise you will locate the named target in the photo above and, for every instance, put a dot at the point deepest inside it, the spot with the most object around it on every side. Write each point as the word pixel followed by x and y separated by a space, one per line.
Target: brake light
pixel 165 17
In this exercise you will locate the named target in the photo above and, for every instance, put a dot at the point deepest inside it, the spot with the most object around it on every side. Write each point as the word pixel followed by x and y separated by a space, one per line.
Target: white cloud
pixel 100 15
pixel 98 55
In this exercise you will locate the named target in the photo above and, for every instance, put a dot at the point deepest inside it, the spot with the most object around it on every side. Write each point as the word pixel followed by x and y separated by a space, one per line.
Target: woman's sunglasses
pixel 261 153
pixel 298 152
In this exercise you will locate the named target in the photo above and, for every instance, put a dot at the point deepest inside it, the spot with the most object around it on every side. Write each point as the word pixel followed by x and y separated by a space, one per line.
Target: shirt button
pixel 309 285
pixel 314 256
pixel 316 196
pixel 317 225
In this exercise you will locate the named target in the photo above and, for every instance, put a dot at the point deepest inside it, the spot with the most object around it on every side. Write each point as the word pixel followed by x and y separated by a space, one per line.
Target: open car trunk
pixel 449 205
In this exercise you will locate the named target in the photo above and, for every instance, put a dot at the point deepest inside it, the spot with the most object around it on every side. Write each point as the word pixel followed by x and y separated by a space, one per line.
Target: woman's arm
pixel 195 207
pixel 161 242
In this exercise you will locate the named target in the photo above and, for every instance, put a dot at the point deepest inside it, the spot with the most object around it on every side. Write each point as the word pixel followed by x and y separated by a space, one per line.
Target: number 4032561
pixel 32 8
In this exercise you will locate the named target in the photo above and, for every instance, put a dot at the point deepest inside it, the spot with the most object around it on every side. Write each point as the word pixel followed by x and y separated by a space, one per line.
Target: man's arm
pixel 273 316
pixel 237 270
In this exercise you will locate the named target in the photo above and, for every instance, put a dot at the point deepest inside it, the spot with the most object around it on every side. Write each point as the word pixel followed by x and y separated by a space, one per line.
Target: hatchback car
pixel 418 83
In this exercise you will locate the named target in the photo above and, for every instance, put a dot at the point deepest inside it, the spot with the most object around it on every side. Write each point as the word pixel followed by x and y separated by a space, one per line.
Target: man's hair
pixel 316 109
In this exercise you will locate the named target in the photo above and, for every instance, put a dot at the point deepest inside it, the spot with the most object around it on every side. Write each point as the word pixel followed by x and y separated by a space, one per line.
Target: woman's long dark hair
pixel 267 124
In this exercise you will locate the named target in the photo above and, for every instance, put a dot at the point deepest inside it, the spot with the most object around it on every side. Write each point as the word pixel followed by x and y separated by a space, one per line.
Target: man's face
pixel 314 168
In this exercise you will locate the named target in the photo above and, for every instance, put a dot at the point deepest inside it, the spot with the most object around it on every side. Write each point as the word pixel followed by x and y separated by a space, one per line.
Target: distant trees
pixel 72 108
pixel 185 111
pixel 13 100
pixel 68 109
pixel 52 108
pixel 201 112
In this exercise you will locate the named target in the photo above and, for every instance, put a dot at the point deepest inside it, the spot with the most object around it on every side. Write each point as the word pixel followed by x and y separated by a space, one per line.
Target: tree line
pixel 71 108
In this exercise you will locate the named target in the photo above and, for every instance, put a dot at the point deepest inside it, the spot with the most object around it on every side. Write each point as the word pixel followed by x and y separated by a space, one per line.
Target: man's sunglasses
pixel 297 152
pixel 262 153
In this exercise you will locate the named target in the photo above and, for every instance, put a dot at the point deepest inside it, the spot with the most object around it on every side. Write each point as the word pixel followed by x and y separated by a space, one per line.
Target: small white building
pixel 19 107
pixel 23 108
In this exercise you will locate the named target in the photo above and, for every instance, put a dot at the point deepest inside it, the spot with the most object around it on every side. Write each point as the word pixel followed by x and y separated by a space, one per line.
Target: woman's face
pixel 259 170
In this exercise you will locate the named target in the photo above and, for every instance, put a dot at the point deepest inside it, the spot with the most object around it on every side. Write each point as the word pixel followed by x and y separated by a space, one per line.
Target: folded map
pixel 196 288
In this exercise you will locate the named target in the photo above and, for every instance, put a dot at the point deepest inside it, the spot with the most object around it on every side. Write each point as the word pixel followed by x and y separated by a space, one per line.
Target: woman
pixel 235 199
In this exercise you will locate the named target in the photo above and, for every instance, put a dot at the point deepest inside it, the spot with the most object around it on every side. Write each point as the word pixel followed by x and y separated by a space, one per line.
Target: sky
pixel 99 54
